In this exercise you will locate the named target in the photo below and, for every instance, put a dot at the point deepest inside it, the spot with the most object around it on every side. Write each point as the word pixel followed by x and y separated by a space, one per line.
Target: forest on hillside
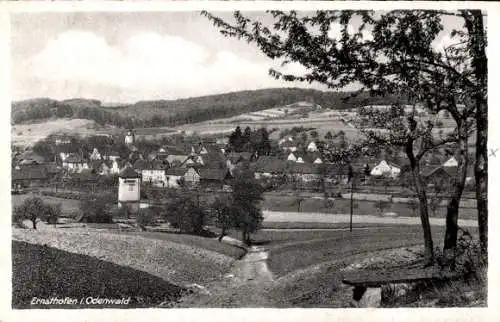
pixel 185 111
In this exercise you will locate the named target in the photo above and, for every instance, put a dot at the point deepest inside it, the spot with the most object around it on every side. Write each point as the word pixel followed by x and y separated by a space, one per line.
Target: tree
pixel 246 195
pixel 236 140
pixel 245 140
pixel 390 53
pixel 31 209
pixel 314 134
pixel 381 205
pixel 224 215
pixel 328 136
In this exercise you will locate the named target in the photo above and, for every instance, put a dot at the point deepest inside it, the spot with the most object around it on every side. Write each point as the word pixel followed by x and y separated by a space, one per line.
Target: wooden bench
pixel 367 286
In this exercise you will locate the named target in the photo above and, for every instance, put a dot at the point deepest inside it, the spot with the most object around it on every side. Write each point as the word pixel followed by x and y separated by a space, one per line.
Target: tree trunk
pixel 450 238
pixel 422 206
pixel 34 223
pixel 424 216
pixel 479 63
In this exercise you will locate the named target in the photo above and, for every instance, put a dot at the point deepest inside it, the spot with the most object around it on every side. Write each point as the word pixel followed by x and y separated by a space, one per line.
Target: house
pixel 105 168
pixel 95 155
pixel 316 158
pixel 64 155
pixel 214 178
pixel 154 173
pixel 223 140
pixel 115 166
pixel 289 145
pixel 452 162
pixel 75 163
pixel 304 172
pixel 191 176
pixel 139 165
pixel 439 176
pixel 291 157
pixel 269 167
pixel 312 147
pixel 175 160
pixel 336 173
pixel 385 168
pixel 30 176
pixel 112 156
pixel 174 177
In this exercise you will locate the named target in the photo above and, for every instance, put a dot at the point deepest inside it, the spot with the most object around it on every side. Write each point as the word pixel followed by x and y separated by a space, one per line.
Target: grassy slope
pixel 44 272
pixel 210 244
pixel 177 263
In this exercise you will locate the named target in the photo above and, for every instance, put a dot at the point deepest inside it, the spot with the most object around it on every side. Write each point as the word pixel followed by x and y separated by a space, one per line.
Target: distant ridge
pixel 158 113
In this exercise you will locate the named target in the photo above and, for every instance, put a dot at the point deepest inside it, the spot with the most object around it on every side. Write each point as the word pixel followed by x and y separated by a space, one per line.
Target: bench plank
pixel 379 278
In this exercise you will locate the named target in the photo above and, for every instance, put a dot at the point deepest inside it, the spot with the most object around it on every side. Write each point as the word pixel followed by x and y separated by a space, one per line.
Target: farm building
pixel 31 176
pixel 174 177
pixel 154 173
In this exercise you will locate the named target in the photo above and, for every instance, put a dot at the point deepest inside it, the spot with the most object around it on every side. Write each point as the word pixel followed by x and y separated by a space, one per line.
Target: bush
pixel 144 218
pixel 96 210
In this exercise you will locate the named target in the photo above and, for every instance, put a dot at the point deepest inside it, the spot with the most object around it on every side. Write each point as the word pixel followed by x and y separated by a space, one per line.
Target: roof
pixel 128 172
pixel 30 173
pixel 213 174
pixel 267 164
pixel 176 172
pixel 177 158
pixel 74 158
pixel 140 164
pixel 433 171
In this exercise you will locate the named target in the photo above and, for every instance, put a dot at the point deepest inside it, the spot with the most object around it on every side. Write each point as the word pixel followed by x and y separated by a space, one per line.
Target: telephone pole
pixel 350 176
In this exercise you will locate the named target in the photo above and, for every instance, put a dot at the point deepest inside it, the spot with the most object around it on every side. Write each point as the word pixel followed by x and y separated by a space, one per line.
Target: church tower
pixel 130 137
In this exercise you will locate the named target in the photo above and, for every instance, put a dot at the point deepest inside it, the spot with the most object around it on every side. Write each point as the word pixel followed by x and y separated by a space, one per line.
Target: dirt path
pixel 245 286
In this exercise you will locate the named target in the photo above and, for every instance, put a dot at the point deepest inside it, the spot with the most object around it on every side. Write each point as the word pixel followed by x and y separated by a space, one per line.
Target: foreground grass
pixel 291 251
pixel 177 263
pixel 45 272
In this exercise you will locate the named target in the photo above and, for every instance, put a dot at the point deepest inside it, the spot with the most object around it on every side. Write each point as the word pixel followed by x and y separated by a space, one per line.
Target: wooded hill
pixel 182 111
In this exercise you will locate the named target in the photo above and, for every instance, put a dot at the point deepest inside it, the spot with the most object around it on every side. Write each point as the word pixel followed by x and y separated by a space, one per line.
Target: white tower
pixel 129 188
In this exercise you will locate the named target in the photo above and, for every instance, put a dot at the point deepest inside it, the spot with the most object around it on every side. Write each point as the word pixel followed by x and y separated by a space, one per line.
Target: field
pixel 45 272
pixel 288 203
pixel 67 205
pixel 28 134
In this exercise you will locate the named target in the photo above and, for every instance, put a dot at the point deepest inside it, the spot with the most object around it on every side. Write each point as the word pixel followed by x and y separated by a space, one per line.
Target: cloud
pixel 145 66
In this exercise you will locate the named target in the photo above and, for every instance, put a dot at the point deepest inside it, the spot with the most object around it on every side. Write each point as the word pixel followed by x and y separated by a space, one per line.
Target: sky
pixel 130 56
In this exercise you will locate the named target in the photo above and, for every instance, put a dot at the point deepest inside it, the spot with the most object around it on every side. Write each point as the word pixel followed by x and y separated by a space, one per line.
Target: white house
pixel 387 169
pixel 129 188
pixel 95 155
pixel 173 177
pixel 115 167
pixel 75 163
pixel 292 157
pixel 154 173
pixel 452 162
pixel 318 160
pixel 299 159
pixel 63 156
pixel 312 147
